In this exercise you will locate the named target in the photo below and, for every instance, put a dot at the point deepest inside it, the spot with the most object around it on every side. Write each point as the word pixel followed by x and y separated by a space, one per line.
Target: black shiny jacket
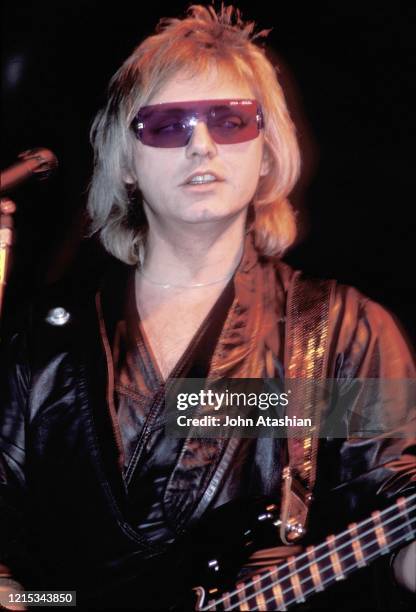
pixel 65 505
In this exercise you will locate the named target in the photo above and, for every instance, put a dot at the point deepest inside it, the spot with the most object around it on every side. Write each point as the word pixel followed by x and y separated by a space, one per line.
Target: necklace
pixel 194 286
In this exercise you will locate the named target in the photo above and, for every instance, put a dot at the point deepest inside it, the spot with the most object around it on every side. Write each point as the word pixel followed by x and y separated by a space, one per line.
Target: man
pixel 195 156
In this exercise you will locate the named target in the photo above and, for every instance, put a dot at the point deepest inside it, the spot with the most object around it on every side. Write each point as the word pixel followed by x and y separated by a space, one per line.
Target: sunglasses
pixel 171 124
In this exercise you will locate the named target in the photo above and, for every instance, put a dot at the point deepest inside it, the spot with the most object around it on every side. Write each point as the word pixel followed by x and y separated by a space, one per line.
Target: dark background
pixel 348 70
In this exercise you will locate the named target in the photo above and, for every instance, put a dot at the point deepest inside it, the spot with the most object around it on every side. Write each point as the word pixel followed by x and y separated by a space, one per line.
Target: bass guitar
pixel 277 587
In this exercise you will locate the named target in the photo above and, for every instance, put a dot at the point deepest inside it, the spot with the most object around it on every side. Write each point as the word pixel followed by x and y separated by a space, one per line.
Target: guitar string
pixel 326 554
pixel 308 578
pixel 329 580
pixel 307 592
pixel 390 509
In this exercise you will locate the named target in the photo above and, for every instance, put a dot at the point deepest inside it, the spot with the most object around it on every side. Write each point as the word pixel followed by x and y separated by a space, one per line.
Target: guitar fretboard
pixel 319 566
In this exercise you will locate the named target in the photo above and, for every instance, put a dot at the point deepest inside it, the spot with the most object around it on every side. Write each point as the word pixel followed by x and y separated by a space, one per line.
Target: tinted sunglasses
pixel 171 124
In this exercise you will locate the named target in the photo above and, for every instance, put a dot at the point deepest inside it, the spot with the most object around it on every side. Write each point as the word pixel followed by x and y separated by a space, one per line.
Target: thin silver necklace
pixel 194 286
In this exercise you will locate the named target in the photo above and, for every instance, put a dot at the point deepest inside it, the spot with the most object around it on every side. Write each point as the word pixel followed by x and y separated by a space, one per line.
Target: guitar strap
pixel 306 360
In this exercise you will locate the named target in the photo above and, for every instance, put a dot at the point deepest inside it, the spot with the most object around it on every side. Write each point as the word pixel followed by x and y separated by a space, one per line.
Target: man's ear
pixel 266 162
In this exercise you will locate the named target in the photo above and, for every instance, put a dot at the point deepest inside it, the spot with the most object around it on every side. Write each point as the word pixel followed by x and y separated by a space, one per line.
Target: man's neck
pixel 196 254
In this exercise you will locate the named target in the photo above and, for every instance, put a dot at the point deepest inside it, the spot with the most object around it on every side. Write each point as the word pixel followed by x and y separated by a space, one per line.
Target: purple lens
pixel 171 124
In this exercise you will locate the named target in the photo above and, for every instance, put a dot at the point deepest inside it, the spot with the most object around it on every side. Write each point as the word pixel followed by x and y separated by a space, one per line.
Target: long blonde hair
pixel 193 44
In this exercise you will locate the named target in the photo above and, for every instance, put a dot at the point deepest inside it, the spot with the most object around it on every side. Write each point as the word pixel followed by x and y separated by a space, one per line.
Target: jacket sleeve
pixel 372 347
pixel 14 390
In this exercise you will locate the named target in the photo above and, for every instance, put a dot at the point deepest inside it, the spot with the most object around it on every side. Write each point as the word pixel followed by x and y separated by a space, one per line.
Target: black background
pixel 348 70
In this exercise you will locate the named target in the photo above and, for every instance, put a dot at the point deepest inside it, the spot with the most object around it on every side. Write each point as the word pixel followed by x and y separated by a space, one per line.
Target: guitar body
pixel 214 552
pixel 233 559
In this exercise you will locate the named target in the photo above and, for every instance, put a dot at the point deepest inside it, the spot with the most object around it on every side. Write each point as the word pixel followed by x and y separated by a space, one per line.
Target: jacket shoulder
pixel 368 339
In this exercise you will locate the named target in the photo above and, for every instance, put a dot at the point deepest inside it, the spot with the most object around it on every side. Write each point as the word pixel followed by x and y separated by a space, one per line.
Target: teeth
pixel 206 178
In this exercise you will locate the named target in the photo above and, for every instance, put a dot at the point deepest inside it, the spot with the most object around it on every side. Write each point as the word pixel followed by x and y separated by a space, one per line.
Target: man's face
pixel 161 173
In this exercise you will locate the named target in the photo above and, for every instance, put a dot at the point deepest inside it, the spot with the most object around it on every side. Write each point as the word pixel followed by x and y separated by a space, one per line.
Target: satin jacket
pixel 65 516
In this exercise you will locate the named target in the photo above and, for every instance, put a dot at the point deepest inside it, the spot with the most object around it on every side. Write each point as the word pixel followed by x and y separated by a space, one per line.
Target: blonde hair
pixel 193 44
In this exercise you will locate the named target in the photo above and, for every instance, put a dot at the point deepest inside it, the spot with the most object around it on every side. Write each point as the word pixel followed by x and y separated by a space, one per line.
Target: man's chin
pixel 210 215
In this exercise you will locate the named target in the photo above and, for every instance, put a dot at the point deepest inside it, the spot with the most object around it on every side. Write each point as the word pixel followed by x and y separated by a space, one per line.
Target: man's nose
pixel 201 142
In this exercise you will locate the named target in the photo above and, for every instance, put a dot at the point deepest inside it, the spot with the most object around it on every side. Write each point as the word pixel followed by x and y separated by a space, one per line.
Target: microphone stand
pixel 7 210
pixel 39 162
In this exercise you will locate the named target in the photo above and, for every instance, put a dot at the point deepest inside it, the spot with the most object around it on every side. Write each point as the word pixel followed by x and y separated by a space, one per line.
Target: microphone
pixel 39 162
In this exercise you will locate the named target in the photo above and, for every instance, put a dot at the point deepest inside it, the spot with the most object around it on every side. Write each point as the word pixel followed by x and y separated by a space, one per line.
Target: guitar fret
pixel 379 531
pixel 402 505
pixel 297 588
pixel 242 597
pixel 314 569
pixel 356 545
pixel 226 601
pixel 277 591
pixel 261 602
pixel 334 557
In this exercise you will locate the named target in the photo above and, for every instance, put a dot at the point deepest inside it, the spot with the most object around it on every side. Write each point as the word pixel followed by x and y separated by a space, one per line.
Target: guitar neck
pixel 319 566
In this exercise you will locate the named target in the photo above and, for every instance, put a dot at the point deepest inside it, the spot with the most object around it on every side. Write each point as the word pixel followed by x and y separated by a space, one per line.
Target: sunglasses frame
pixel 198 110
